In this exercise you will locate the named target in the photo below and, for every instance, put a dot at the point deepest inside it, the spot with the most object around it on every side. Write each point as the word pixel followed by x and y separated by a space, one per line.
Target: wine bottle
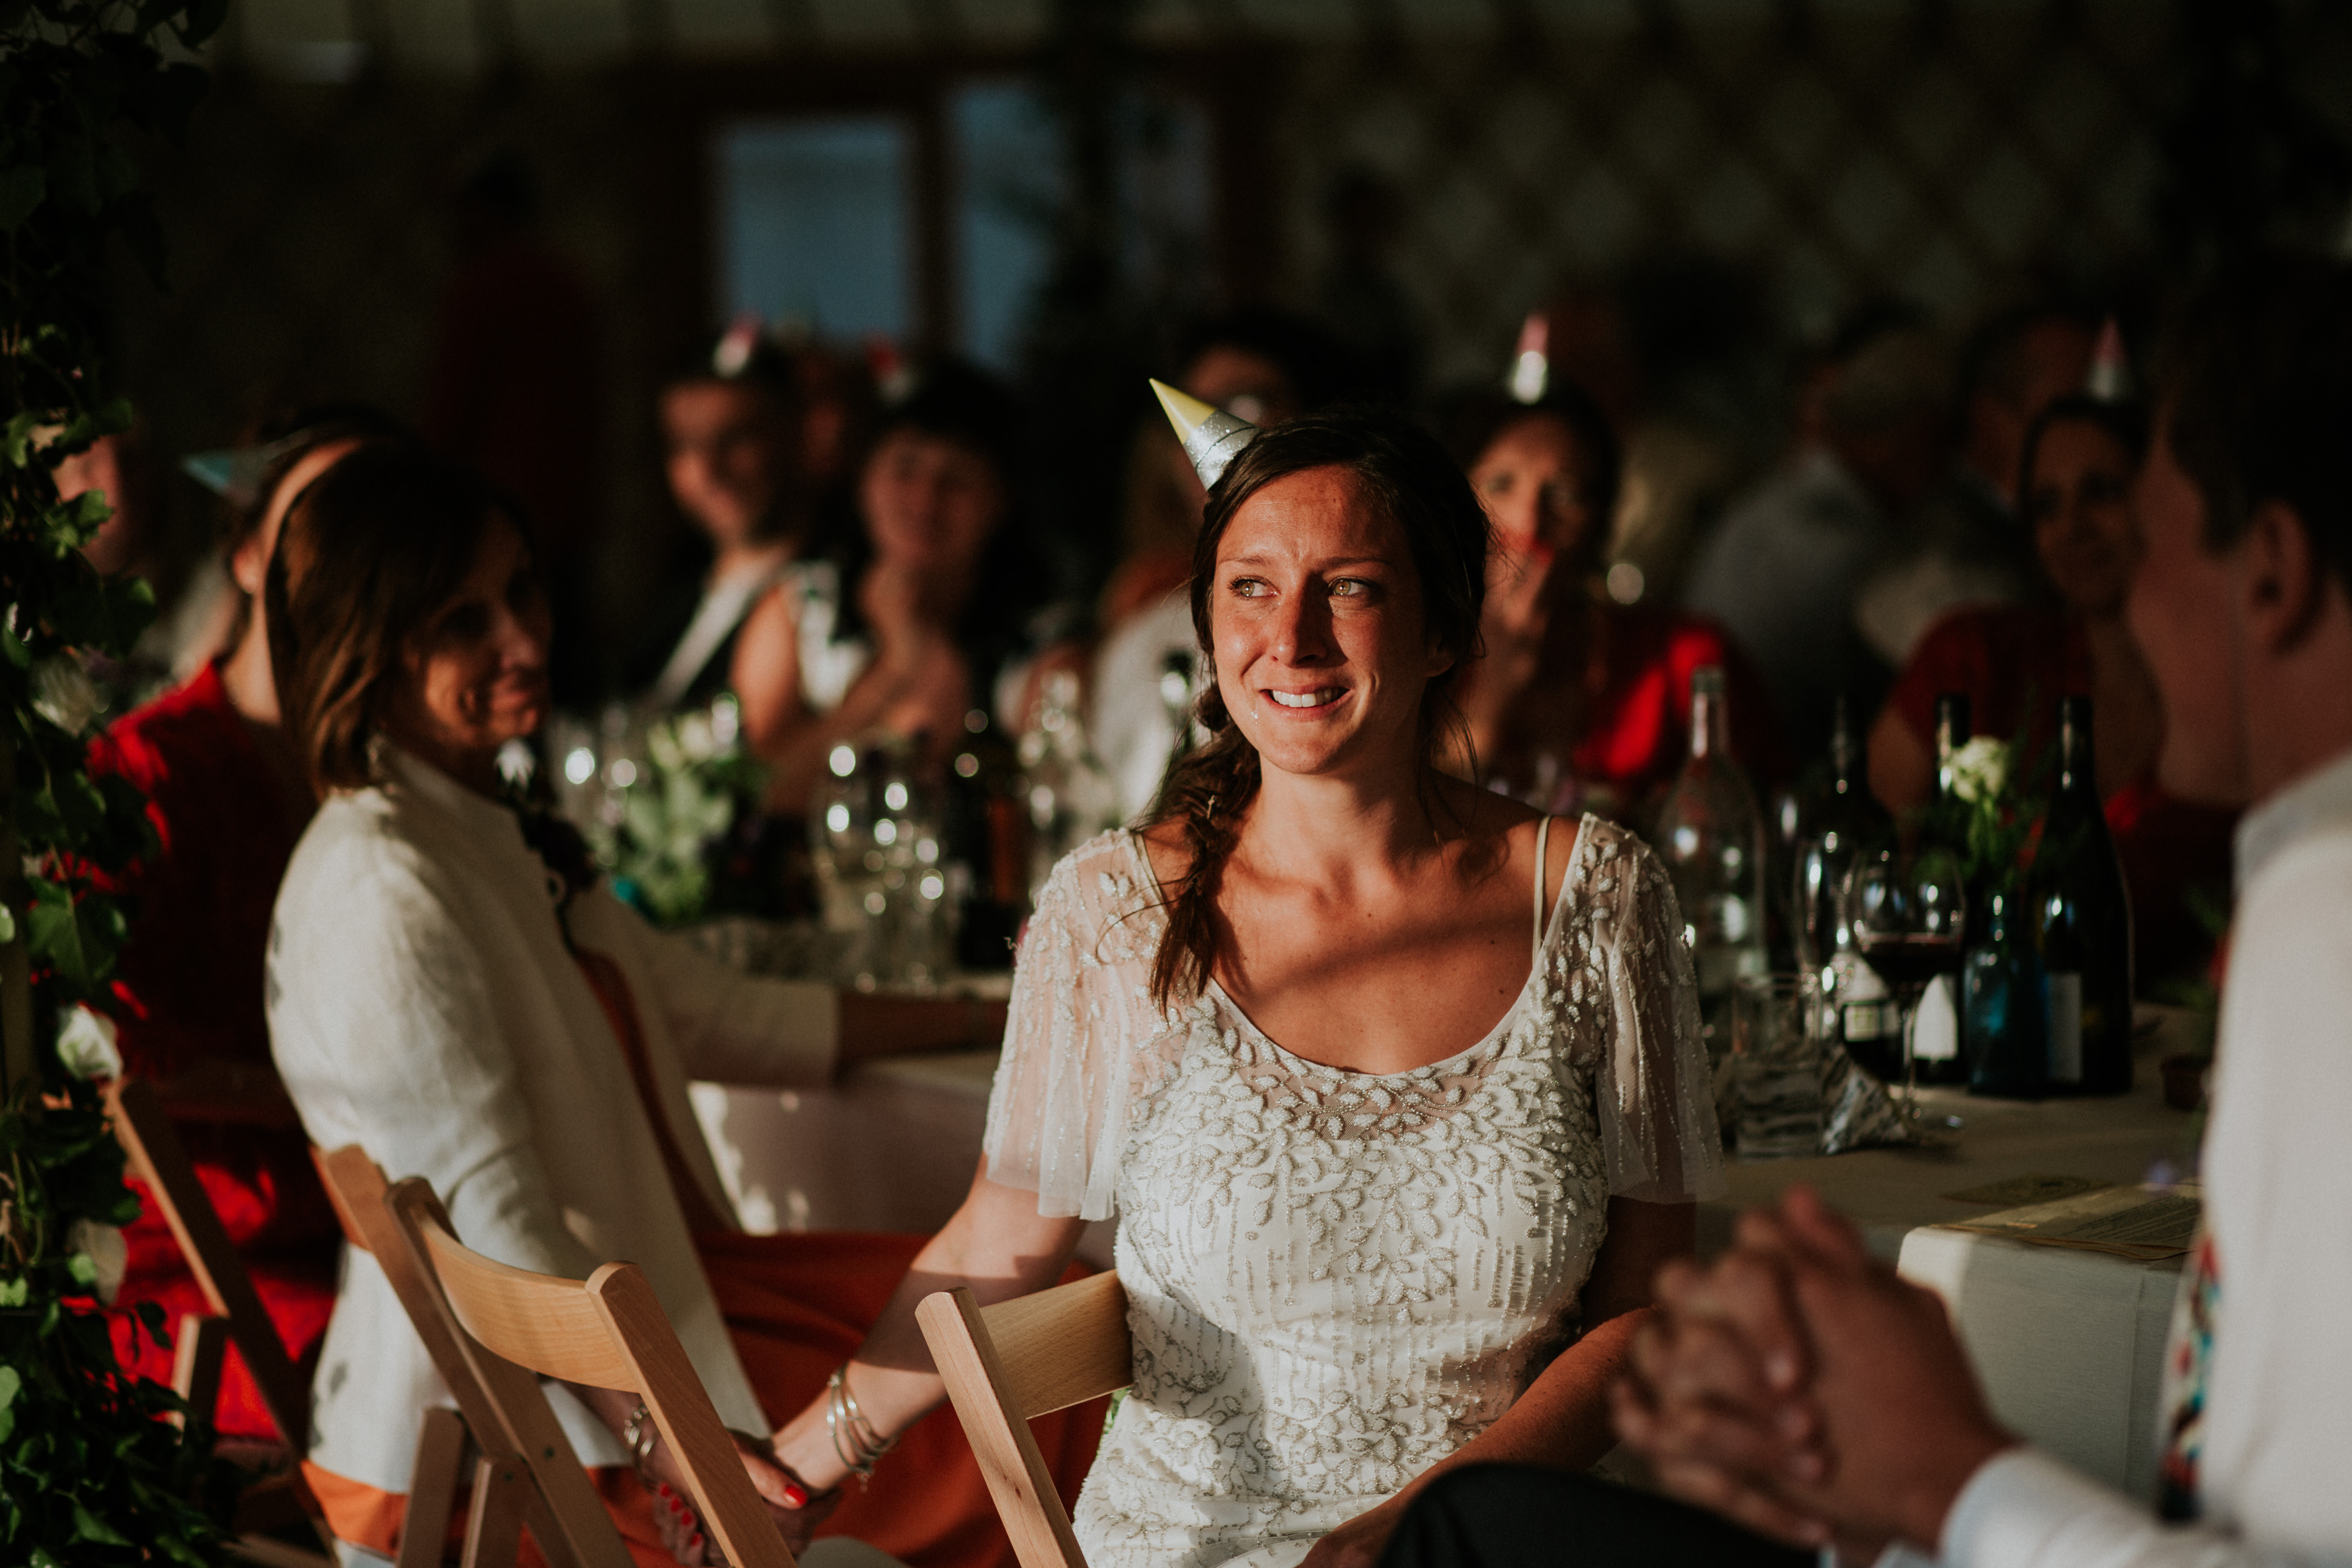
pixel 2083 924
pixel 1836 821
pixel 1939 1049
pixel 1711 836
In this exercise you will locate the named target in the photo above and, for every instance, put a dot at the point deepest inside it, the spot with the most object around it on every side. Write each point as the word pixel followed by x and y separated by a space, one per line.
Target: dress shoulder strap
pixel 1543 839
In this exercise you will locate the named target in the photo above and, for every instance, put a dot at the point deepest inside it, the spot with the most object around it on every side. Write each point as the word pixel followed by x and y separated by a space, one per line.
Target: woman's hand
pixel 1359 1543
pixel 795 1512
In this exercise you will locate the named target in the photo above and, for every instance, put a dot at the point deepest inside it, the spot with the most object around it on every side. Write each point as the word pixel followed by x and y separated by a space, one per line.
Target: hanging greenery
pixel 91 1470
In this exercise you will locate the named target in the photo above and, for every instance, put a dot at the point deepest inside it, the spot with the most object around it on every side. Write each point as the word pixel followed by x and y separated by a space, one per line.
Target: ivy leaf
pixel 9 1384
pixel 88 1526
pixel 72 940
pixel 14 1292
pixel 21 190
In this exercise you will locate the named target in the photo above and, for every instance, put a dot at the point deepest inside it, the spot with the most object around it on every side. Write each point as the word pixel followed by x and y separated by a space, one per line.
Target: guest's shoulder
pixel 189 728
pixel 357 844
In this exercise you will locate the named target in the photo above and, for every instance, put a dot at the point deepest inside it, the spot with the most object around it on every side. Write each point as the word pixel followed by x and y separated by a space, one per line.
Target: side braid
pixel 1205 794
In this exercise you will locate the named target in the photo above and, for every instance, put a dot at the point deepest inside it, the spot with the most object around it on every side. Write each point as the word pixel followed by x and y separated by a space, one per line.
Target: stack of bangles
pixel 855 1441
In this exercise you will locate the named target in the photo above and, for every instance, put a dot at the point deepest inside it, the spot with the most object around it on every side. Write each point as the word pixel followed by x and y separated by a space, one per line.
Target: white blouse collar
pixel 478 817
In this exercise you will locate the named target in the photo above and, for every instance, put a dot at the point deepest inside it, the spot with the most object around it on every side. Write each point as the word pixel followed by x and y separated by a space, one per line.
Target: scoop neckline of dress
pixel 1460 1059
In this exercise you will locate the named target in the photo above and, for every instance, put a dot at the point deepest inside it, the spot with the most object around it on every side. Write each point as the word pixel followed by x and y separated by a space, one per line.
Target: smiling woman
pixel 1393 1084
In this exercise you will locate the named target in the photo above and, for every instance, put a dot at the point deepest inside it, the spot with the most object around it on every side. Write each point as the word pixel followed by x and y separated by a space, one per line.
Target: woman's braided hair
pixel 1402 470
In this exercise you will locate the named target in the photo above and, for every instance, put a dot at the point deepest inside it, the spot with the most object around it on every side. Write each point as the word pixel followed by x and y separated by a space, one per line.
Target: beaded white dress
pixel 1335 1280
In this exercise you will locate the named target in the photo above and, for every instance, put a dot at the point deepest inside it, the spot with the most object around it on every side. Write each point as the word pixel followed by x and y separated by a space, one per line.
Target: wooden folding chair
pixel 1007 1364
pixel 200 1341
pixel 576 1534
pixel 607 1331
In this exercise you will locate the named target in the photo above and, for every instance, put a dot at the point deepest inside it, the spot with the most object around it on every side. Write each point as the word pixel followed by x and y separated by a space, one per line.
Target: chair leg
pixel 494 1531
pixel 196 1353
pixel 433 1488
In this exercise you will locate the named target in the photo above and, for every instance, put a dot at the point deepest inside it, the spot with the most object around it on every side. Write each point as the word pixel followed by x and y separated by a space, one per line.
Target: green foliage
pixel 91 1470
pixel 692 780
pixel 87 1464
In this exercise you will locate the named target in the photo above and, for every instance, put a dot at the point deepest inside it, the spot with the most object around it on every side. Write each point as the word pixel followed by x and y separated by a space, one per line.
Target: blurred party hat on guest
pixel 2110 376
pixel 236 472
pixel 1211 436
pixel 736 346
pixel 1530 371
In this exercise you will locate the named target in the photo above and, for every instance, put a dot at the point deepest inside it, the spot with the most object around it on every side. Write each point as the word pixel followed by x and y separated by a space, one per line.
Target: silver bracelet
pixel 642 1438
pixel 855 1442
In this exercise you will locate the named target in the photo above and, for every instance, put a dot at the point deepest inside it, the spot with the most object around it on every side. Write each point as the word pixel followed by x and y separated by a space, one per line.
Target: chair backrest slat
pixel 1064 1346
pixel 1017 1360
pixel 536 1321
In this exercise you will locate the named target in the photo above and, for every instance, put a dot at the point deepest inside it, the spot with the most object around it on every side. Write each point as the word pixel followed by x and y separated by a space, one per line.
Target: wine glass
pixel 1907 915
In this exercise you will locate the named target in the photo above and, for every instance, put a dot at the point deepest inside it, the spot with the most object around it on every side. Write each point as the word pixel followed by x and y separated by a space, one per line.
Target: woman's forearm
pixel 998 1247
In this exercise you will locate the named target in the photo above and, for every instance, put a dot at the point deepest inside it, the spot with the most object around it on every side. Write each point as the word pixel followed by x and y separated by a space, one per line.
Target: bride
pixel 1393 1085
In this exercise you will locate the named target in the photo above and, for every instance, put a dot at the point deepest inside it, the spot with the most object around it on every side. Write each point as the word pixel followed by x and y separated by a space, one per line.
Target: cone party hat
pixel 1212 437
pixel 2110 378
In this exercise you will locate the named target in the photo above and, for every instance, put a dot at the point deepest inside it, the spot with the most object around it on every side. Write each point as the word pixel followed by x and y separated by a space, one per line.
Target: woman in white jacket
pixel 449 988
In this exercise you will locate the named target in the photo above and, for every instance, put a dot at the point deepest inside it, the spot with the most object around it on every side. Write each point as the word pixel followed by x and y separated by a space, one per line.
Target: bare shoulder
pixel 1166 852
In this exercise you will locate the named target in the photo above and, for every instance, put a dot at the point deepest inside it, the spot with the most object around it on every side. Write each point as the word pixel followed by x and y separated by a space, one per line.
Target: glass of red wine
pixel 1908 915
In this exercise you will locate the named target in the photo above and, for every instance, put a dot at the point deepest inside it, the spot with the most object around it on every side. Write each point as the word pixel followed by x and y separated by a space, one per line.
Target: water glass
pixel 1777 1029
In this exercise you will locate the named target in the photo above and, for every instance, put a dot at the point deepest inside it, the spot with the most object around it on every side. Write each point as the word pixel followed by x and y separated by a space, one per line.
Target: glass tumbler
pixel 1777 1029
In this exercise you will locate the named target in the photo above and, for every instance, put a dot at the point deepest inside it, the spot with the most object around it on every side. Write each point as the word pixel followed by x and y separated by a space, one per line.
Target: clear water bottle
pixel 1711 836
pixel 1071 795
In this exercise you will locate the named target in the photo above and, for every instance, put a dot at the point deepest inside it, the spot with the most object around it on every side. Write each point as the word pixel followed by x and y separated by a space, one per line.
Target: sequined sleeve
pixel 1655 1100
pixel 1081 1022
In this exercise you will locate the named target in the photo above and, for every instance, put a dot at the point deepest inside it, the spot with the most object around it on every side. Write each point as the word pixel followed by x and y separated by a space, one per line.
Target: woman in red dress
pixel 1580 703
pixel 2013 663
pixel 226 795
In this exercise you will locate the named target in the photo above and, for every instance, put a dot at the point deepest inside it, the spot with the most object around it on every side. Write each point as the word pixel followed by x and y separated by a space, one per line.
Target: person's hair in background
pixel 253 508
pixel 1400 469
pixel 2256 382
pixel 2013 367
pixel 365 556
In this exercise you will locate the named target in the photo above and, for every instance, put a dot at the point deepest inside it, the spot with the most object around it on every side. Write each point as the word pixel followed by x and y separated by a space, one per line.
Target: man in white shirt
pixel 1799 1387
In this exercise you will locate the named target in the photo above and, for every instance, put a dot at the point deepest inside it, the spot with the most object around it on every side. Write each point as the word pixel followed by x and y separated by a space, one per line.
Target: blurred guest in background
pixel 730 447
pixel 453 989
pixel 228 798
pixel 514 386
pixel 2014 662
pixel 1260 364
pixel 1783 570
pixel 1969 544
pixel 1579 703
pixel 934 610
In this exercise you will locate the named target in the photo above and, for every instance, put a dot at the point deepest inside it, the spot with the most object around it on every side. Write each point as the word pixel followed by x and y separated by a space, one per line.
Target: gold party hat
pixel 1212 438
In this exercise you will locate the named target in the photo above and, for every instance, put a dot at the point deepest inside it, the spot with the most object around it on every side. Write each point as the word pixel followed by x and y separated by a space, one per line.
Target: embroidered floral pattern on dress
pixel 1335 1279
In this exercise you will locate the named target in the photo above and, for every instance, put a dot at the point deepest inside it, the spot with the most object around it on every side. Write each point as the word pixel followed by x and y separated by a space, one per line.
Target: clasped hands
pixel 1799 1387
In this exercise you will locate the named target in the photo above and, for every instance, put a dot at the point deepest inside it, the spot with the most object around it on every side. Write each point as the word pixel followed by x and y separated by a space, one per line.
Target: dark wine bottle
pixel 1948 1064
pixel 1838 820
pixel 2083 924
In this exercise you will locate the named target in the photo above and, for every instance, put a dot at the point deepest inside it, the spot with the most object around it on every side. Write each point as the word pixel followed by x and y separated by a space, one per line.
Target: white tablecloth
pixel 893 1147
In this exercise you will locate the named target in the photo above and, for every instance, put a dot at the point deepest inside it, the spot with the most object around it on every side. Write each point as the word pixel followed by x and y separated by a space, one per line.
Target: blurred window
pixel 814 220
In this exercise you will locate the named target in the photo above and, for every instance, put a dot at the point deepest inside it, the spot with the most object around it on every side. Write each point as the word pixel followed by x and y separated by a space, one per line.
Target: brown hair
pixel 1405 473
pixel 365 556
pixel 2257 391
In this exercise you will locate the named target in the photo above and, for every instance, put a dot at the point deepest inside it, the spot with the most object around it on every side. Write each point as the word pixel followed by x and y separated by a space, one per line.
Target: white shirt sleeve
pixel 2025 1509
pixel 1659 1139
pixel 1080 1012
pixel 729 1026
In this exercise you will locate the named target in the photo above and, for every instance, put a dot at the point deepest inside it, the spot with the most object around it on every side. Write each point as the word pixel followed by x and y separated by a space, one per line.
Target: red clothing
pixel 1626 725
pixel 2014 662
pixel 189 995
